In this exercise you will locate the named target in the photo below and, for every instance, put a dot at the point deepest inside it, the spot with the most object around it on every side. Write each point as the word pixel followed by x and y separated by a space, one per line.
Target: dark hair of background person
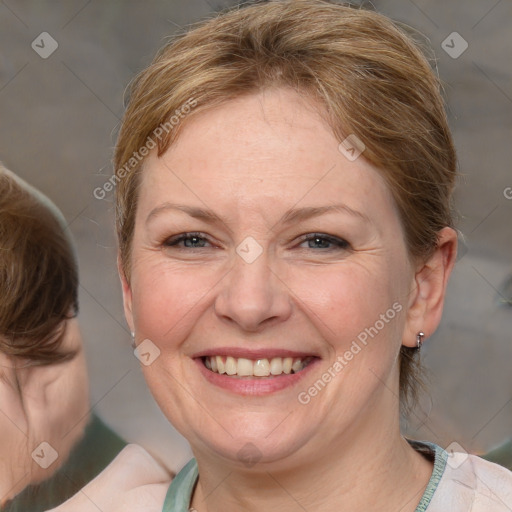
pixel 38 277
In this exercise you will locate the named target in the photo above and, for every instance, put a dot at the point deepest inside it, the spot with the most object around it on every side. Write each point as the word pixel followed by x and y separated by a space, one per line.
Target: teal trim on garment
pixel 441 457
pixel 180 491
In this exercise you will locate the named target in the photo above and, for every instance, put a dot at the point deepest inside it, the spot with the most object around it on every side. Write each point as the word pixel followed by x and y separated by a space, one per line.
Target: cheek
pixel 165 299
pixel 347 302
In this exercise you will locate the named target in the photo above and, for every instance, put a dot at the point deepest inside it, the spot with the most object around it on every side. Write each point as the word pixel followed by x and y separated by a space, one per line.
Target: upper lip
pixel 262 353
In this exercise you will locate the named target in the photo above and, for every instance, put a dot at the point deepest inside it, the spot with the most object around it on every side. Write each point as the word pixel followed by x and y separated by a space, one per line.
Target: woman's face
pixel 257 239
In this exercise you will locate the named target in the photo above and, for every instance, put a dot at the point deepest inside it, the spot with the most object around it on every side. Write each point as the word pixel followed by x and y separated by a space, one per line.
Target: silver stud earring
pixel 419 339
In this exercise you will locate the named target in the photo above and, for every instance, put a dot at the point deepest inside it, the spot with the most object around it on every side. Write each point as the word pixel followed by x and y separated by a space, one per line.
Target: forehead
pixel 272 149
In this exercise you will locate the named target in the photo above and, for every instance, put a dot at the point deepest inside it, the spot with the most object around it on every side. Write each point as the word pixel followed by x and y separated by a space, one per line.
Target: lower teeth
pixel 236 376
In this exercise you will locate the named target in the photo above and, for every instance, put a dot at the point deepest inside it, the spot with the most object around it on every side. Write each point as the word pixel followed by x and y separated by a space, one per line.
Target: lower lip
pixel 257 386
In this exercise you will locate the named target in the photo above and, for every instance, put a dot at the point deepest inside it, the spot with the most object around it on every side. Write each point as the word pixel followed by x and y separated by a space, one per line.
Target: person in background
pixel 51 444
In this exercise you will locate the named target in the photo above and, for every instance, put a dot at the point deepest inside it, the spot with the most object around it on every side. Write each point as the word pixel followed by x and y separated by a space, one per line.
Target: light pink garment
pixel 471 484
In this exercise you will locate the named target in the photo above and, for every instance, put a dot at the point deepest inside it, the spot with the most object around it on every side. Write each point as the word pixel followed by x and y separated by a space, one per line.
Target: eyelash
pixel 334 240
pixel 338 242
pixel 175 240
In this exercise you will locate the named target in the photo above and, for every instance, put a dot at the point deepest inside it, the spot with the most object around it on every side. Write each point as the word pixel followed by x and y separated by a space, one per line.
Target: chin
pixel 264 442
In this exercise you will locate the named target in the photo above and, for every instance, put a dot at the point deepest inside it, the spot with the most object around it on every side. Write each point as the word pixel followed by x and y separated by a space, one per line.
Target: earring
pixel 419 340
pixel 132 333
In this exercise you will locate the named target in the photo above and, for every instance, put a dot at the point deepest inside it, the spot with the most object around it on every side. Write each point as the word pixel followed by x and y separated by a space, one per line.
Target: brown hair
pixel 38 276
pixel 368 74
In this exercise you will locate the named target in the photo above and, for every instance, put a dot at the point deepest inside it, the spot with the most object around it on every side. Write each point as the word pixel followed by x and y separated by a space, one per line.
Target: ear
pixel 127 294
pixel 429 289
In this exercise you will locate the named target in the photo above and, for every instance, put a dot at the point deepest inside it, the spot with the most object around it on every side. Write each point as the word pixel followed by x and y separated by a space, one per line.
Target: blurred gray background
pixel 58 122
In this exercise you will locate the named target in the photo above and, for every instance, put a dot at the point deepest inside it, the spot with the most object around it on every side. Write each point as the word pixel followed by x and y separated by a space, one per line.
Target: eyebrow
pixel 292 215
pixel 300 214
pixel 204 214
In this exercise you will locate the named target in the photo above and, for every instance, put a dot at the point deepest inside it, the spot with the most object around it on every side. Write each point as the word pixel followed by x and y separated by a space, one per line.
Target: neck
pixel 37 406
pixel 15 475
pixel 371 467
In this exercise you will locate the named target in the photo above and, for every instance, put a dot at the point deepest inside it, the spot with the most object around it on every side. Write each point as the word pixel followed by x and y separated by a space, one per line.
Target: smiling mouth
pixel 249 368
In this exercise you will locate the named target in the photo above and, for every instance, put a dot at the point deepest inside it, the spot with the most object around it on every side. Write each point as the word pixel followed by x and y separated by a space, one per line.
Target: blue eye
pixel 187 240
pixel 326 242
pixel 317 241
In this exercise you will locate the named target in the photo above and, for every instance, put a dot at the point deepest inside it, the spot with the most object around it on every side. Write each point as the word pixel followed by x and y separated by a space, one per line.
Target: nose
pixel 252 296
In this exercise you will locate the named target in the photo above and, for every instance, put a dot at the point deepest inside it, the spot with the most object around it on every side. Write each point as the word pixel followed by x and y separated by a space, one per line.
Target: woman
pixel 51 445
pixel 284 179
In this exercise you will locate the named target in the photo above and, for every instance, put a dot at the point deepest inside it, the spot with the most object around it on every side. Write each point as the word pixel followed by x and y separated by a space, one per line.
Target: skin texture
pixel 250 161
pixel 40 404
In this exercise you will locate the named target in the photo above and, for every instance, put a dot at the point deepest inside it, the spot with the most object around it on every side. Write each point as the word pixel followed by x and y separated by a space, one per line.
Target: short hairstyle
pixel 38 274
pixel 370 77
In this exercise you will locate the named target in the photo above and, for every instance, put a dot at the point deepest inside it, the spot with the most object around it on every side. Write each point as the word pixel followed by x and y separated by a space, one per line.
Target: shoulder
pixel 493 484
pixel 134 481
pixel 471 483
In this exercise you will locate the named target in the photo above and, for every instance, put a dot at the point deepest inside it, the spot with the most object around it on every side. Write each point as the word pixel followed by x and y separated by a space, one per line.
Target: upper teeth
pixel 243 367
